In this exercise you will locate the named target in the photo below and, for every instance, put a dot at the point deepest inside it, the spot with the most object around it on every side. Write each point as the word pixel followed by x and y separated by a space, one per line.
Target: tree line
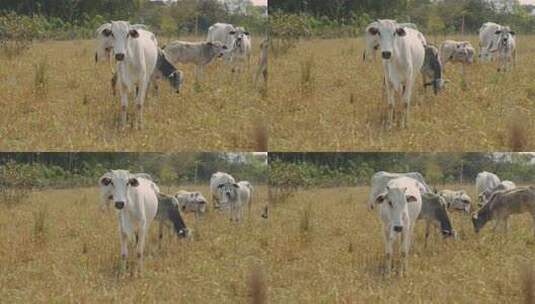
pixel 335 169
pixel 432 17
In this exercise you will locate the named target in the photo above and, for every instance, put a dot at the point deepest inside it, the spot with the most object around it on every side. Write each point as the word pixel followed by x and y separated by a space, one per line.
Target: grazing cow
pixel 503 204
pixel 234 196
pixel 372 41
pixel 505 46
pixel 191 202
pixel 432 69
pixel 380 179
pixel 403 53
pixel 503 185
pixel 224 33
pixel 434 213
pixel 263 61
pixel 198 53
pixel 456 52
pixel 104 48
pixel 215 180
pixel 399 205
pixel 485 182
pixel 136 53
pixel 457 200
pixel 137 205
pixel 167 70
pixel 487 39
pixel 169 213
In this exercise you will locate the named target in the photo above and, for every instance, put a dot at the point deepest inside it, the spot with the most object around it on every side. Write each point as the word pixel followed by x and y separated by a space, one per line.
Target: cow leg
pixel 496 224
pixel 124 250
pixel 139 104
pixel 405 246
pixel 391 101
pixel 388 249
pixel 427 228
pixel 160 235
pixel 114 84
pixel 406 99
pixel 123 91
pixel 140 247
pixel 506 224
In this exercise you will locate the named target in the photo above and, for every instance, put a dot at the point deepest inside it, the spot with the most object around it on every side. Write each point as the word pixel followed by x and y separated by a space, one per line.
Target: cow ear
pixel 411 199
pixel 133 33
pixel 220 186
pixel 380 198
pixel 232 32
pixel 401 32
pixel 246 33
pixel 498 32
pixel 106 32
pixel 133 182
pixel 373 31
pixel 235 185
pixel 512 33
pixel 225 47
pixel 105 180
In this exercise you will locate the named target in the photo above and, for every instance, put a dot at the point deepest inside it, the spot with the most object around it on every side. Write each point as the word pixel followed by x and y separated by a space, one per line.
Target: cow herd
pixel 139 201
pixel 405 53
pixel 137 60
pixel 401 199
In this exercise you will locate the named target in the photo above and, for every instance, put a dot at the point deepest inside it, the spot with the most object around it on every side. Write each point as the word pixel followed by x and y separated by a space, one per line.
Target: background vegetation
pixel 350 169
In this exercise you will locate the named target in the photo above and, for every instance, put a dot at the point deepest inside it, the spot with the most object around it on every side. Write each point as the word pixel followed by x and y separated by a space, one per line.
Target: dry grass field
pixel 326 247
pixel 55 98
pixel 324 97
pixel 60 247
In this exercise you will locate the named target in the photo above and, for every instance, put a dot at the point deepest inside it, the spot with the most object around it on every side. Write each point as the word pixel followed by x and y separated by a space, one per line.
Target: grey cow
pixel 192 202
pixel 432 69
pixel 503 204
pixel 434 213
pixel 169 214
pixel 198 53
pixel 457 200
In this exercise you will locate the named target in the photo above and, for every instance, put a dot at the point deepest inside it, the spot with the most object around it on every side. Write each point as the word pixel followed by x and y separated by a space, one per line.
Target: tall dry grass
pixel 342 260
pixel 345 108
pixel 56 98
pixel 75 256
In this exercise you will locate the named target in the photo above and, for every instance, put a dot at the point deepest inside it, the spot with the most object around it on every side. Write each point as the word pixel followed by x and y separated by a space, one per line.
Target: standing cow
pixel 505 46
pixel 215 180
pixel 234 196
pixel 485 183
pixel 136 53
pixel 487 39
pixel 224 33
pixel 403 53
pixel 372 41
pixel 137 204
pixel 399 205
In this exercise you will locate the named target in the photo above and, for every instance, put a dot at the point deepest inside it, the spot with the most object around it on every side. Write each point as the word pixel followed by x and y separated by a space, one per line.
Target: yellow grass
pixel 340 105
pixel 75 257
pixel 340 258
pixel 75 110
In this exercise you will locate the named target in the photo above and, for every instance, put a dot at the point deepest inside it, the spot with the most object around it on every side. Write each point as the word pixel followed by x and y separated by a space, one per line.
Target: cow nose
pixel 386 55
pixel 119 57
pixel 119 205
pixel 398 228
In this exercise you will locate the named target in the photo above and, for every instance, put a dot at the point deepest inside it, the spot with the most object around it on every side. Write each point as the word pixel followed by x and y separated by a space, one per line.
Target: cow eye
pixel 390 204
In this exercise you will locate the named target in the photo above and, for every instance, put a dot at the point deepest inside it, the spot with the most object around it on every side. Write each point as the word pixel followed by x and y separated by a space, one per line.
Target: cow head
pixel 118 183
pixel 121 33
pixel 502 37
pixel 387 31
pixel 217 48
pixel 395 204
pixel 176 79
pixel 229 192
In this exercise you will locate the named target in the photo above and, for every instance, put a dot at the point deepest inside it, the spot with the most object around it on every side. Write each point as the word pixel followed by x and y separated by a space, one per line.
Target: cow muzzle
pixel 398 228
pixel 119 57
pixel 386 55
pixel 119 205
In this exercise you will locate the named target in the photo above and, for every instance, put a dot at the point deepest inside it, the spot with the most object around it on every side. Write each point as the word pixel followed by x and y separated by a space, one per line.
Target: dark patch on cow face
pixel 105 181
pixel 401 32
pixel 133 33
pixel 373 31
pixel 119 205
pixel 386 55
pixel 134 182
pixel 107 33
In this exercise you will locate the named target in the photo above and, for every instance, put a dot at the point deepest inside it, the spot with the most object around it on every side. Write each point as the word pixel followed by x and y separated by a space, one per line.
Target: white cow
pixel 372 41
pixel 136 53
pixel 247 196
pixel 106 191
pixel 485 183
pixel 456 51
pixel 215 180
pixel 487 39
pixel 224 33
pixel 234 196
pixel 380 179
pixel 457 200
pixel 399 205
pixel 137 205
pixel 505 47
pixel 191 202
pixel 403 53
pixel 241 51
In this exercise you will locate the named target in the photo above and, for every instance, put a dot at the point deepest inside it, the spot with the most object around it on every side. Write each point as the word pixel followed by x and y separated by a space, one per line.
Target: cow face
pixel 387 32
pixel 502 38
pixel 217 48
pixel 104 42
pixel 118 183
pixel 229 192
pixel 394 203
pixel 121 32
